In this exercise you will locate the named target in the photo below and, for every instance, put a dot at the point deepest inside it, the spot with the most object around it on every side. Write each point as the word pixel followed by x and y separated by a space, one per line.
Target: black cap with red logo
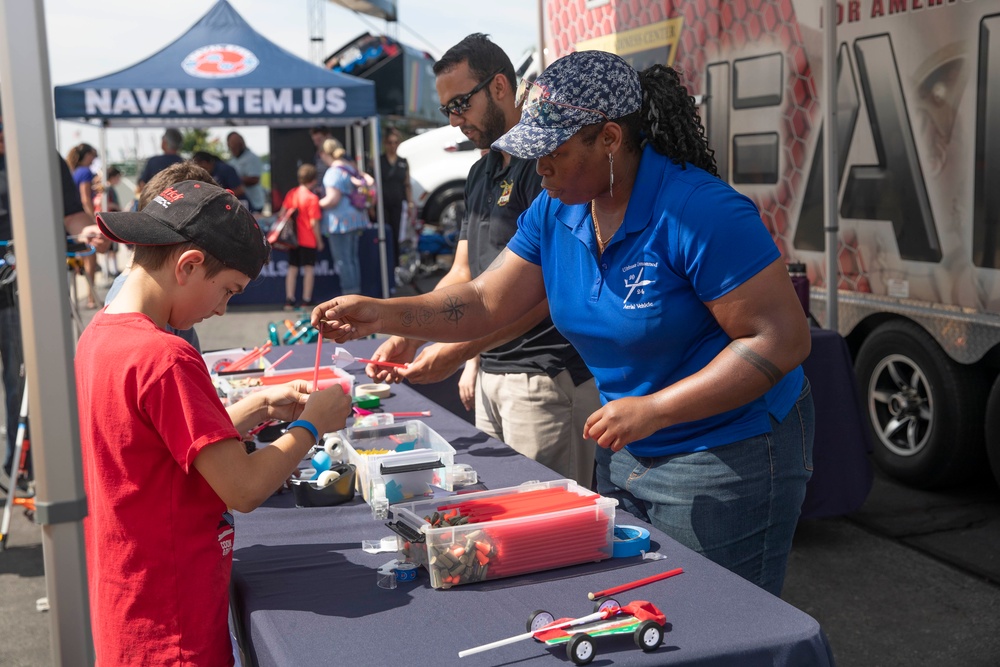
pixel 196 212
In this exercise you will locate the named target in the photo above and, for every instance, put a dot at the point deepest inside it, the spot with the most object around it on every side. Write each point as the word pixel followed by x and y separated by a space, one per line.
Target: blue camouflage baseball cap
pixel 579 89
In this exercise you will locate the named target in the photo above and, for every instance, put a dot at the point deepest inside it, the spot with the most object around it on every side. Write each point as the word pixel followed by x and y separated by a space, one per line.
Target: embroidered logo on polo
pixel 637 279
pixel 506 187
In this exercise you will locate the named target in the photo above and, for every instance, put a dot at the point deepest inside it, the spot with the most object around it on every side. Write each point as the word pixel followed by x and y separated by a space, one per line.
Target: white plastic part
pixel 331 445
pixel 653 555
pixel 380 507
pixel 461 474
pixel 386 544
pixel 326 478
pixel 374 419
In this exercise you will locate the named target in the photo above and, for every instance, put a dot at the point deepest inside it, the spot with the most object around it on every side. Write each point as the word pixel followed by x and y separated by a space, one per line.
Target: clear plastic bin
pixel 397 462
pixel 496 548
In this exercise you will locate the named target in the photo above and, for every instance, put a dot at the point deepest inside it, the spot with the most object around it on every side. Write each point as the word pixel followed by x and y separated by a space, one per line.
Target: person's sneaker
pixel 289 304
pixel 23 488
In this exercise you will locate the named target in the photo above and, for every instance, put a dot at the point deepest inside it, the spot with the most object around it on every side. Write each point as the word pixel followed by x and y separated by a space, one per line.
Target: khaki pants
pixel 540 417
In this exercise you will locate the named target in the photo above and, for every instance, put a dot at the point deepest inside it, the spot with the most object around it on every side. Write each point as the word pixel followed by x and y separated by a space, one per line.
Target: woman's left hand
pixel 285 401
pixel 621 422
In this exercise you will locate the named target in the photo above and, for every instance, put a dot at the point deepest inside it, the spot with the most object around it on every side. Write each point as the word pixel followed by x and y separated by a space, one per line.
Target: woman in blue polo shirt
pixel 668 284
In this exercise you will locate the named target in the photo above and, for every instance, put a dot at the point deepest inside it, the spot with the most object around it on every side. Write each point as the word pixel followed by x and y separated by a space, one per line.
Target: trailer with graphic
pixel 918 184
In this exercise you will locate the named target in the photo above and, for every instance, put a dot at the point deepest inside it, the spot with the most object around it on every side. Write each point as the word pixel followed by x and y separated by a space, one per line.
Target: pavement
pixel 912 578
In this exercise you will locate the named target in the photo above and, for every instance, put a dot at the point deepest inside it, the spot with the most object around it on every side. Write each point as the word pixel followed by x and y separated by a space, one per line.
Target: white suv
pixel 440 160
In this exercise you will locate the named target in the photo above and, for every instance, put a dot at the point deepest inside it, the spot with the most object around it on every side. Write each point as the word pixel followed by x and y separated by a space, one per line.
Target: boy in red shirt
pixel 306 203
pixel 163 459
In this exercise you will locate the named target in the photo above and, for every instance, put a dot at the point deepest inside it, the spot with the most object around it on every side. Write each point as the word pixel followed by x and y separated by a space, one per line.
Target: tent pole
pixel 831 180
pixel 383 258
pixel 106 161
pixel 35 195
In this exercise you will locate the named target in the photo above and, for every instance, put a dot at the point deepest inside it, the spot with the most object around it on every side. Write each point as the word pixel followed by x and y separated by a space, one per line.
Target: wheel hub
pixel 899 402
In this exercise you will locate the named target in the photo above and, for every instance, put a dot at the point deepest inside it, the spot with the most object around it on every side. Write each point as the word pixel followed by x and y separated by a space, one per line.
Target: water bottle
pixel 800 281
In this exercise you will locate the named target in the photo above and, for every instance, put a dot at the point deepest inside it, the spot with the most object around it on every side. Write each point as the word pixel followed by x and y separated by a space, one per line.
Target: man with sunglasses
pixel 529 386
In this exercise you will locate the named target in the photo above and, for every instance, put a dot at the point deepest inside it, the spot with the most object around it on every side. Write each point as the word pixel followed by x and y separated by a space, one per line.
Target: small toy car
pixel 643 620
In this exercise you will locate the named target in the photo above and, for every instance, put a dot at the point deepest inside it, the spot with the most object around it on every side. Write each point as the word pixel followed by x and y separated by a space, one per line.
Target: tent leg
pixel 377 168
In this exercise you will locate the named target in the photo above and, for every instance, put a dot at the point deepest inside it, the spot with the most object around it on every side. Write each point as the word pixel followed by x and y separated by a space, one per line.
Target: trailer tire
pixel 925 410
pixel 993 429
pixel 446 209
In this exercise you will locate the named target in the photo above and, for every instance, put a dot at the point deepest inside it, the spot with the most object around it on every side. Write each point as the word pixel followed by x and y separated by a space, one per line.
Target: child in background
pixel 306 203
pixel 162 458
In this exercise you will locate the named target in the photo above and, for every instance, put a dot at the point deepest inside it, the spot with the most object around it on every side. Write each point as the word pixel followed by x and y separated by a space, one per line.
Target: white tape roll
pixel 326 478
pixel 381 390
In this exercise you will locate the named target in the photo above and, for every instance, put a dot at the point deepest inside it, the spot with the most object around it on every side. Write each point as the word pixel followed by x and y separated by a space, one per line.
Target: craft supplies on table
pixel 253 375
pixel 401 461
pixel 505 532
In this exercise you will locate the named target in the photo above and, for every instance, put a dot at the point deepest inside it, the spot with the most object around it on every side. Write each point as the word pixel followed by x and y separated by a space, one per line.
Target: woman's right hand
pixel 348 318
pixel 327 409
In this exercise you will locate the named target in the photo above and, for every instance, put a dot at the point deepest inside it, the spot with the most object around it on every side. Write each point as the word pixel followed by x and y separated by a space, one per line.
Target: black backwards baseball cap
pixel 199 213
pixel 579 89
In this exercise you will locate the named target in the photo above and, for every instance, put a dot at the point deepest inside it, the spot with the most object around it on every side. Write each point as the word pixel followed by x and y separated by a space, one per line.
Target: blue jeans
pixel 12 358
pixel 344 248
pixel 736 504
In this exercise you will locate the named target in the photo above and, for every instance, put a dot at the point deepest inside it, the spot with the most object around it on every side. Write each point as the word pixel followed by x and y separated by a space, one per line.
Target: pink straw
pixel 319 353
pixel 282 358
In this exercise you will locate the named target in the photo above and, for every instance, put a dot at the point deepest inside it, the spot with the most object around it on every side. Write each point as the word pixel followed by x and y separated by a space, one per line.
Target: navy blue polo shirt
pixel 495 195
pixel 637 314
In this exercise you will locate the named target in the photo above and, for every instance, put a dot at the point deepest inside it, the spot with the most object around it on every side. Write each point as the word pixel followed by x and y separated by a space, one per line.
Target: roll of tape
pixel 406 572
pixel 629 541
pixel 381 390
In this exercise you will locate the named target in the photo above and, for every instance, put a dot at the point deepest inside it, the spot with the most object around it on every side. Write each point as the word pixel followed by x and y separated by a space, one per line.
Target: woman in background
pixel 343 221
pixel 79 159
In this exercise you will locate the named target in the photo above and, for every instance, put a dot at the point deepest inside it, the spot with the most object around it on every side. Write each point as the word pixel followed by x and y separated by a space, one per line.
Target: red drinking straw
pixel 635 584
pixel 390 364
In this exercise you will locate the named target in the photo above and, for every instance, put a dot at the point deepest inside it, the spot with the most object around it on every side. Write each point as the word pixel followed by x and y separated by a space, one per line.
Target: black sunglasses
pixel 460 104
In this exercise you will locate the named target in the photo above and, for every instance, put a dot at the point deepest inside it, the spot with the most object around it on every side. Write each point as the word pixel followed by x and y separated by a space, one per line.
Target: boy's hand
pixel 328 409
pixel 285 401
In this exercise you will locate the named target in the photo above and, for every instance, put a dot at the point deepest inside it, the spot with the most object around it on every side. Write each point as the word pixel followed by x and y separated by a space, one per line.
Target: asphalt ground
pixel 913 578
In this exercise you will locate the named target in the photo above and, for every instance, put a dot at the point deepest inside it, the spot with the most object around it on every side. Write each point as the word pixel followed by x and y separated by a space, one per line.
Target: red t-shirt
pixel 307 203
pixel 159 545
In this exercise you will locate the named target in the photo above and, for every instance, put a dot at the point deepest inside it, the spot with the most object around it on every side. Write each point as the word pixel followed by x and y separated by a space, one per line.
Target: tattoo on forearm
pixel 453 309
pixel 498 262
pixel 766 368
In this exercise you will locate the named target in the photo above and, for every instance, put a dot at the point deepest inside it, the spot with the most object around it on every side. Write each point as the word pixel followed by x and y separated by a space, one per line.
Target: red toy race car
pixel 643 620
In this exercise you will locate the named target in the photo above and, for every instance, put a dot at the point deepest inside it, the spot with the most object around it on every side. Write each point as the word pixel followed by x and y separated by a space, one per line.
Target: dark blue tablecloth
pixel 842 473
pixel 304 592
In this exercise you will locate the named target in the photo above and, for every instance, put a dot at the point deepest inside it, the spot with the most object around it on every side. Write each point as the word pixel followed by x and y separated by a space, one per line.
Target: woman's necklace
pixel 601 243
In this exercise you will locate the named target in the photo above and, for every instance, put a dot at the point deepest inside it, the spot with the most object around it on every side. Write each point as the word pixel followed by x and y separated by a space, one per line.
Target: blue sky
pixel 88 40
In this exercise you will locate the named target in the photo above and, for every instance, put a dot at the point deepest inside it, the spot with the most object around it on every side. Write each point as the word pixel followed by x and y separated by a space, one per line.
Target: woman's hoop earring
pixel 611 167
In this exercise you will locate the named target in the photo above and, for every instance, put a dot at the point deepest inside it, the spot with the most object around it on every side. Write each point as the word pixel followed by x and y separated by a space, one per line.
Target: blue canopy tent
pixel 223 72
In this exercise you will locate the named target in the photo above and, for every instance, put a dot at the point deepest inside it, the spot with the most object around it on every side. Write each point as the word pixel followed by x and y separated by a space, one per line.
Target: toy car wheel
pixel 648 636
pixel 580 649
pixel 600 604
pixel 538 620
